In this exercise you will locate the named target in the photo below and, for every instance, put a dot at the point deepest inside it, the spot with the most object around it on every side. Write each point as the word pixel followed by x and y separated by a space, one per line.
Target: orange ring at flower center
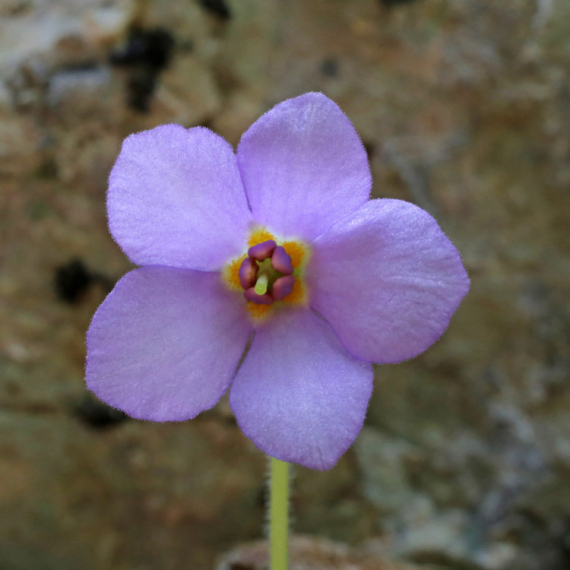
pixel 299 255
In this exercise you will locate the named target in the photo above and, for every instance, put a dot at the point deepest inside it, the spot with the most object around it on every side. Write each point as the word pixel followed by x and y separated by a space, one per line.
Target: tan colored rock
pixel 187 95
pixel 240 111
pixel 20 145
pixel 86 157
pixel 91 95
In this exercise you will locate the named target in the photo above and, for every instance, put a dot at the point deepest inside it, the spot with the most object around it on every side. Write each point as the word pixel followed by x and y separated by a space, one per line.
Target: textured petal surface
pixel 165 343
pixel 387 279
pixel 303 167
pixel 299 396
pixel 176 198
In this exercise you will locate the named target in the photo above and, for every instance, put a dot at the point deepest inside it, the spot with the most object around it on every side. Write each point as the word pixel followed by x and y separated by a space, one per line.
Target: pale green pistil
pixel 266 277
pixel 262 284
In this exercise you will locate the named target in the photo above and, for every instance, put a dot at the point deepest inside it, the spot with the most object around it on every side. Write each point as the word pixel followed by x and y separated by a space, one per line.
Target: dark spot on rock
pixel 146 53
pixel 329 67
pixel 98 415
pixel 150 47
pixel 71 280
pixel 217 7
pixel 241 566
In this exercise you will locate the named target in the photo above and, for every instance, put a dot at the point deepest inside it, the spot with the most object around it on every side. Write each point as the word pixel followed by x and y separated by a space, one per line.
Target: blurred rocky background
pixel 464 108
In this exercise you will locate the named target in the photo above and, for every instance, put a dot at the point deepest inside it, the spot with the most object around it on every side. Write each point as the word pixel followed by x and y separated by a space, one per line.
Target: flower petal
pixel 176 198
pixel 387 279
pixel 299 396
pixel 165 344
pixel 303 167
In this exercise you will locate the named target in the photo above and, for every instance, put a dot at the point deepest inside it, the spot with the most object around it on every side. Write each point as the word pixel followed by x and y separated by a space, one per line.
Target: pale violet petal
pixel 387 279
pixel 303 167
pixel 299 396
pixel 165 343
pixel 176 198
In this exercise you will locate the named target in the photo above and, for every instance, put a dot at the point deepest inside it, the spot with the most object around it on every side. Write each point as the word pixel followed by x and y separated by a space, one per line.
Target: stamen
pixel 262 251
pixel 281 261
pixel 252 296
pixel 266 273
pixel 262 284
pixel 283 286
pixel 248 273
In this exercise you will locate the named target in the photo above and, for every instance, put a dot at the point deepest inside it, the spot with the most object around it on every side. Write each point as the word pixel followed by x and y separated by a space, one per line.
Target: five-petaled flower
pixel 277 243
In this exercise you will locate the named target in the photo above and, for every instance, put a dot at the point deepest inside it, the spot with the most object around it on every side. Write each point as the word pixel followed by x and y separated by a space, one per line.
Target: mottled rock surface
pixel 464 108
pixel 309 553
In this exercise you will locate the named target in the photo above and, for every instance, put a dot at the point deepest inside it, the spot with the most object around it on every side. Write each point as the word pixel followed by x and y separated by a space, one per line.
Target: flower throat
pixel 266 274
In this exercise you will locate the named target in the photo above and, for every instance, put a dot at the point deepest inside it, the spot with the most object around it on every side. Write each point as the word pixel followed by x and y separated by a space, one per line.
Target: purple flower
pixel 279 241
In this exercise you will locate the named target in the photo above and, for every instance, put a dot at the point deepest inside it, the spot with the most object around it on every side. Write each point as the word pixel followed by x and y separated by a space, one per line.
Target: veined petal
pixel 176 198
pixel 303 167
pixel 299 396
pixel 165 343
pixel 387 279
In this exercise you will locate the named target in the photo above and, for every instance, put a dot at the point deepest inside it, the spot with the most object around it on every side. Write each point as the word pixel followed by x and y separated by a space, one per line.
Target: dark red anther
pixel 251 295
pixel 262 251
pixel 248 273
pixel 281 261
pixel 283 286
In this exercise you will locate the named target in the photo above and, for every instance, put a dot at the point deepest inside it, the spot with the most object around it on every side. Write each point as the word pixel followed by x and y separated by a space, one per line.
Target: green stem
pixel 279 514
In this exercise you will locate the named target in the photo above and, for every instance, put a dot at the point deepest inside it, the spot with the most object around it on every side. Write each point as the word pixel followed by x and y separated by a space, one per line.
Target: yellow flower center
pixel 298 252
